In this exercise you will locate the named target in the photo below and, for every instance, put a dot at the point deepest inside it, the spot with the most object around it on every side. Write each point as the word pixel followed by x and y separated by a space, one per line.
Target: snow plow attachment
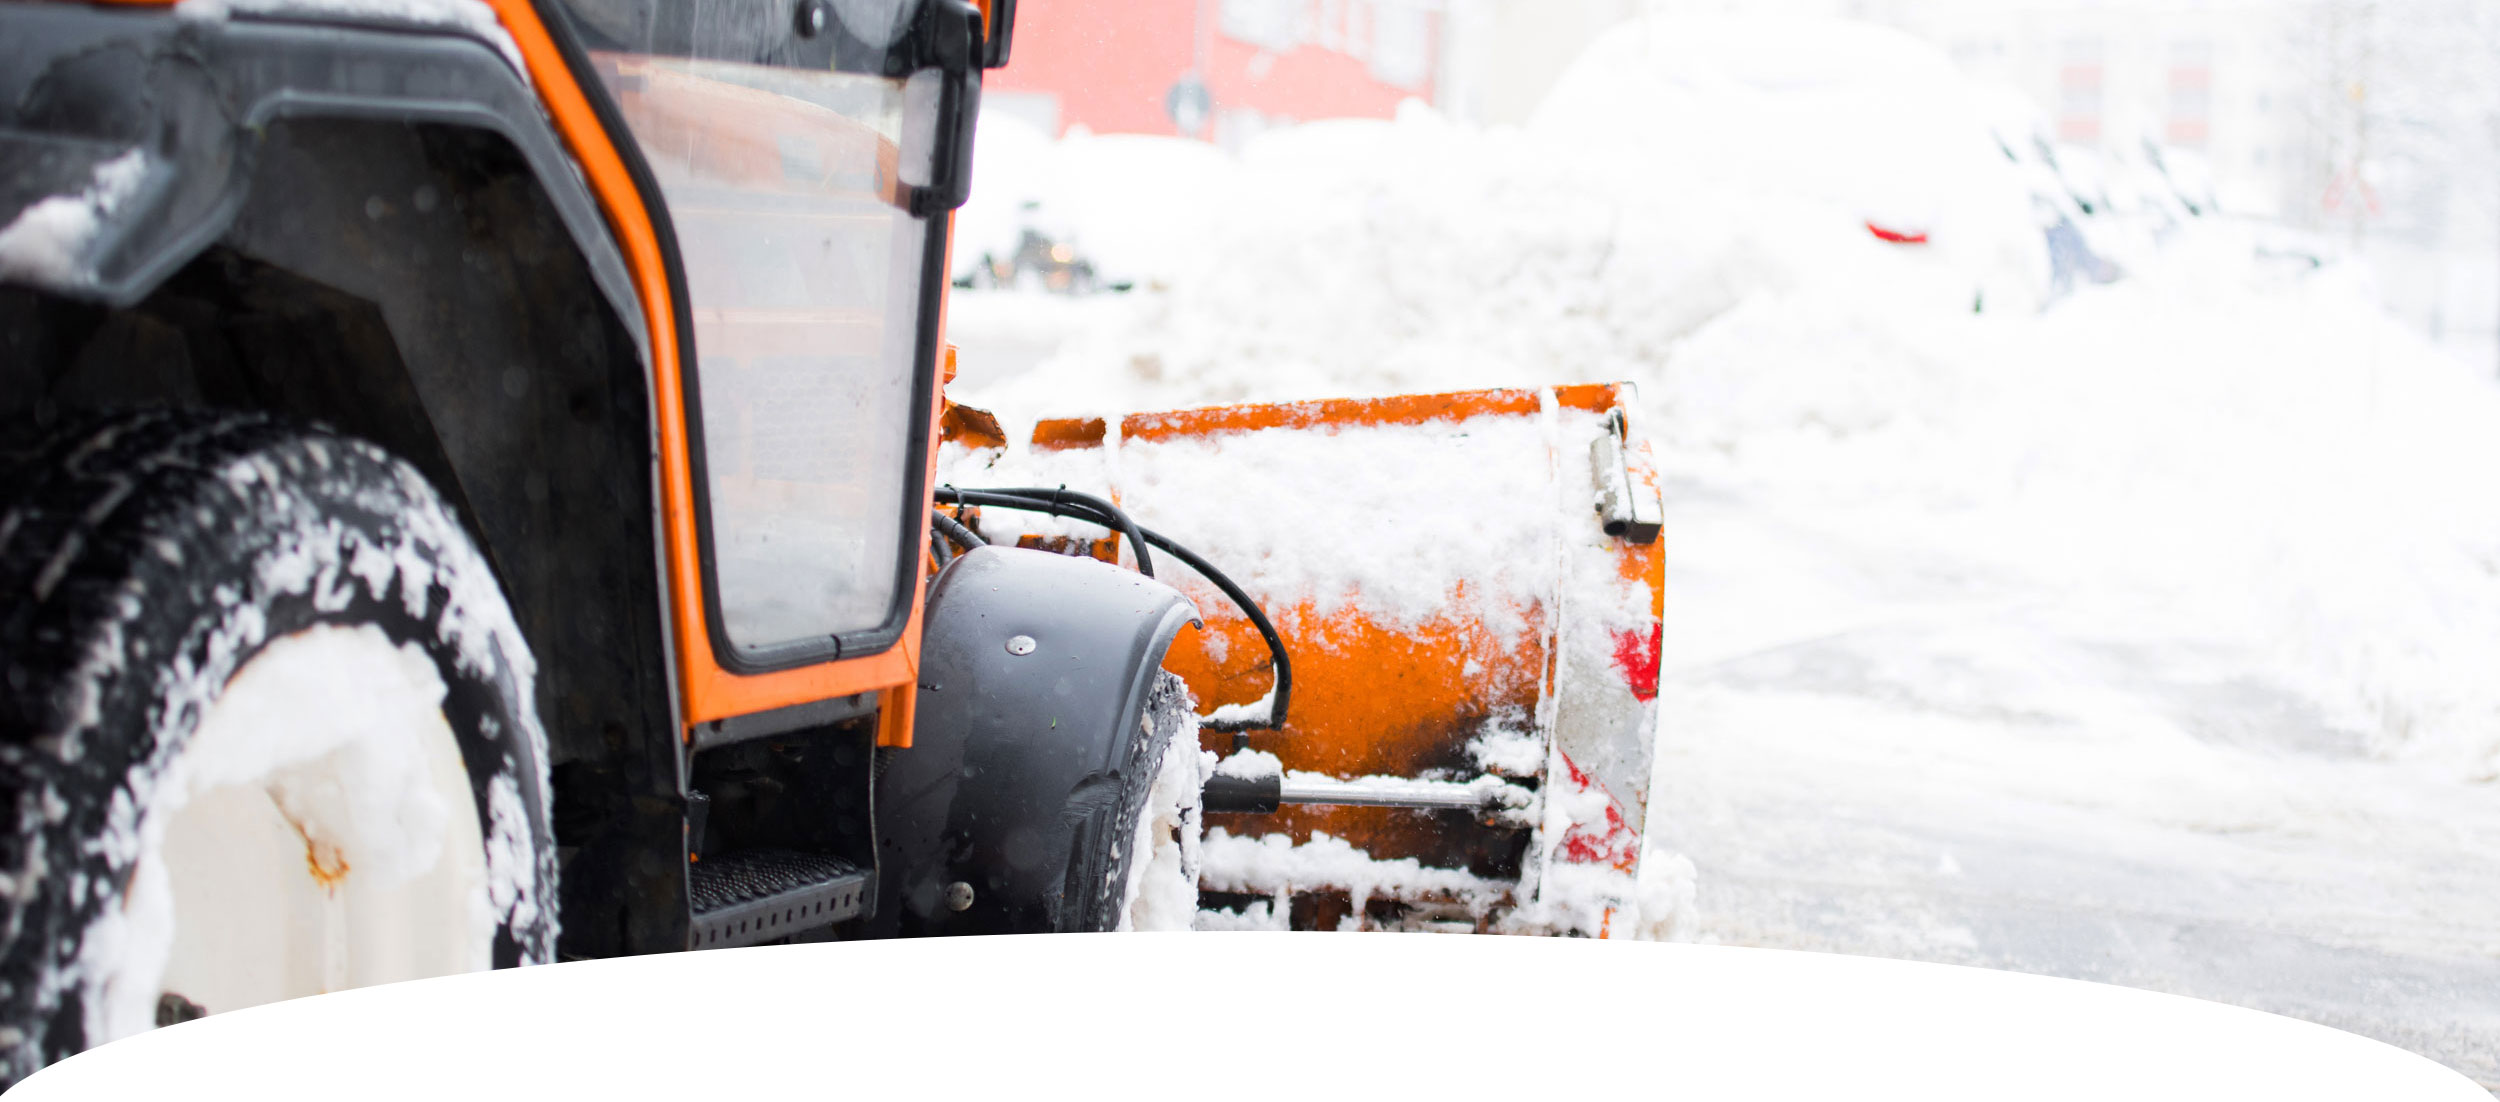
pixel 1466 590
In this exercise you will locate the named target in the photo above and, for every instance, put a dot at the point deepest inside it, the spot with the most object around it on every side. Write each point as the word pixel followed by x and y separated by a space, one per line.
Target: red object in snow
pixel 1897 237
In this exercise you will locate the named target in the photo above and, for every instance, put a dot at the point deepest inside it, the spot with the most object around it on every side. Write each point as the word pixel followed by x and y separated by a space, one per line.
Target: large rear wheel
pixel 267 731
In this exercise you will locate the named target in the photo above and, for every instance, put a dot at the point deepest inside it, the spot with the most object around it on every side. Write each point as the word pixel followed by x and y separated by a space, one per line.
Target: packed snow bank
pixel 2275 484
pixel 1139 208
pixel 1865 122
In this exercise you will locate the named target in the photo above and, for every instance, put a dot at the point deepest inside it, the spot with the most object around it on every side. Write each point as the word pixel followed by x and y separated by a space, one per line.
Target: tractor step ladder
pixel 746 897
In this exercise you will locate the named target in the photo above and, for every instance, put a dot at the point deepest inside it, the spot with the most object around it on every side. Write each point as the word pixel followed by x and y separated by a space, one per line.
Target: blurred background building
pixel 1222 70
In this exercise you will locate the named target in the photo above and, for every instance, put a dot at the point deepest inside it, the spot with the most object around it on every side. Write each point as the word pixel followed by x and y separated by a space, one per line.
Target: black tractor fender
pixel 1031 745
pixel 182 104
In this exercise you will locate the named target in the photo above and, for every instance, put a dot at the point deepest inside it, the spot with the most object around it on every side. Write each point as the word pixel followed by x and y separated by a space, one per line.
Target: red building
pixel 1217 69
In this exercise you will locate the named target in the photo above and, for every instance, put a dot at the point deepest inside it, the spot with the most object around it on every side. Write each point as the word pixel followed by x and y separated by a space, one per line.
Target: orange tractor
pixel 476 490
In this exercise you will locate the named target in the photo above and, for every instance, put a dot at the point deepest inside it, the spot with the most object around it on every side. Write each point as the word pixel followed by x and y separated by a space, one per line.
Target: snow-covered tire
pixel 1106 813
pixel 144 560
pixel 1160 873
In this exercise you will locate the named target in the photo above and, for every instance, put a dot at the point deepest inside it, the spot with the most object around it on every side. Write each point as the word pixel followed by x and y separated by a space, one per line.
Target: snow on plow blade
pixel 1468 589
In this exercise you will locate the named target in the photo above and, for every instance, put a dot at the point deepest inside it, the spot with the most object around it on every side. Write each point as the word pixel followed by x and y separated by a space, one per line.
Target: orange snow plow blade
pixel 1467 587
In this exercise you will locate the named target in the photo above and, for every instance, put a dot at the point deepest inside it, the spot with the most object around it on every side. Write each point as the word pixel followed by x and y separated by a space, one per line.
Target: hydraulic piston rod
pixel 1264 794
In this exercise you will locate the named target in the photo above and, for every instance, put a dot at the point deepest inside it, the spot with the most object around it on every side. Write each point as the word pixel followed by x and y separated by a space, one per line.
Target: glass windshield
pixel 803 275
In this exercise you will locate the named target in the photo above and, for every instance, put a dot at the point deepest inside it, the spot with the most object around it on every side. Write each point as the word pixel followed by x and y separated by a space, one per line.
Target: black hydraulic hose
pixel 1094 510
pixel 1060 502
pixel 954 530
pixel 1275 720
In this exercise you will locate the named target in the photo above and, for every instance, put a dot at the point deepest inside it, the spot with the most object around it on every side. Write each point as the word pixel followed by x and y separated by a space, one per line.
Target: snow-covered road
pixel 2168 664
pixel 1864 782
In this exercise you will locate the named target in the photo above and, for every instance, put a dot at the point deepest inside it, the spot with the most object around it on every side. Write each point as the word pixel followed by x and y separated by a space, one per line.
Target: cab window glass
pixel 803 272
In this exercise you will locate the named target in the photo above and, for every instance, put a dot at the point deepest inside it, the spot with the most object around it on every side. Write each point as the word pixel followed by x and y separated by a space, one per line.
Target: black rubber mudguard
pixel 1031 749
pixel 82 85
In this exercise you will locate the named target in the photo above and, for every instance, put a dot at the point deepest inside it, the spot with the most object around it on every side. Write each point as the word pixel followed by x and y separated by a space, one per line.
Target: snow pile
pixel 47 242
pixel 1667 890
pixel 2234 483
pixel 1864 122
pixel 1371 257
pixel 1347 243
pixel 1135 206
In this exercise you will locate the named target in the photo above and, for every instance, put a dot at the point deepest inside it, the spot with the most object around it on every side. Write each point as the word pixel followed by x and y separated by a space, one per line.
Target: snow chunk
pixel 1257 711
pixel 1250 765
pixel 47 242
pixel 1508 752
pixel 1668 886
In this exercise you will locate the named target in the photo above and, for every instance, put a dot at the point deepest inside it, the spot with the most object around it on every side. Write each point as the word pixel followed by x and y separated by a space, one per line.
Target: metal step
pixel 758 895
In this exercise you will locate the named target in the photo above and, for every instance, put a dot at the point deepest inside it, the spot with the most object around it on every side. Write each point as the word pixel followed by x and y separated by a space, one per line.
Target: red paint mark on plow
pixel 1897 237
pixel 1616 844
pixel 1637 656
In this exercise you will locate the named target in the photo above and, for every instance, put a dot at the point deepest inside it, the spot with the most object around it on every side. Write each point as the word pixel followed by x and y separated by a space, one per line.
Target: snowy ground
pixel 2150 635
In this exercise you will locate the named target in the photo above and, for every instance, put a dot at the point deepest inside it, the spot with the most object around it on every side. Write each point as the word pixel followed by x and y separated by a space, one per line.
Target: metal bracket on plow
pixel 1627 503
